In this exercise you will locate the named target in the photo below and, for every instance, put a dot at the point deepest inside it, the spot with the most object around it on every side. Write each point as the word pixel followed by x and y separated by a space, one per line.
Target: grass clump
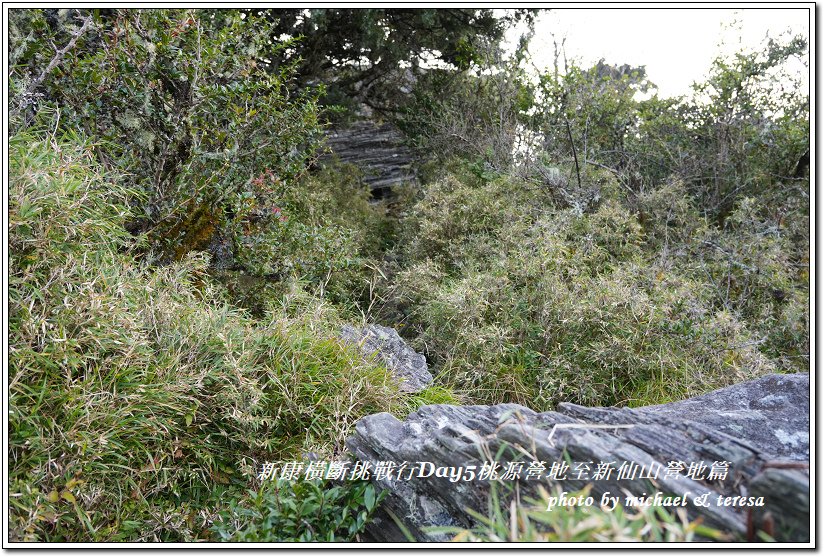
pixel 531 521
pixel 140 398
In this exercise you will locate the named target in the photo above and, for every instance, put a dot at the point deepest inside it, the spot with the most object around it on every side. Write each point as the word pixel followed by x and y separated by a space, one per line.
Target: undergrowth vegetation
pixel 137 395
pixel 183 257
pixel 322 230
pixel 299 511
pixel 518 300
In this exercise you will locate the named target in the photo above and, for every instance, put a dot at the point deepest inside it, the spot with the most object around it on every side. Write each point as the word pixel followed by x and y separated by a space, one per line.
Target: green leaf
pixel 369 498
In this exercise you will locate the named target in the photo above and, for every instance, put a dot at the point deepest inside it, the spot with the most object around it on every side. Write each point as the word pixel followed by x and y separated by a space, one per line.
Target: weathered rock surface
pixel 377 150
pixel 389 348
pixel 771 413
pixel 760 429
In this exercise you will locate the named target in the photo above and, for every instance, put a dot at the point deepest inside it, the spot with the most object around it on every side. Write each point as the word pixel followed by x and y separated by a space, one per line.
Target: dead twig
pixel 574 153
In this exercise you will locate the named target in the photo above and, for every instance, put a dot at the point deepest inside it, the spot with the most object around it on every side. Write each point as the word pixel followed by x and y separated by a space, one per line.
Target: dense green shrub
pixel 744 132
pixel 195 111
pixel 137 396
pixel 749 267
pixel 590 113
pixel 473 115
pixel 183 103
pixel 514 299
pixel 301 511
pixel 322 230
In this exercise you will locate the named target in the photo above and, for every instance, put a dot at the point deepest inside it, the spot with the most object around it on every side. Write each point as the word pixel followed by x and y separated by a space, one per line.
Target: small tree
pixel 745 132
pixel 589 116
pixel 474 115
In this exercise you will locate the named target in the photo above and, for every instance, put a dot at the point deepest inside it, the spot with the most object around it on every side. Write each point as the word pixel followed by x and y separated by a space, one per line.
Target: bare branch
pixel 574 152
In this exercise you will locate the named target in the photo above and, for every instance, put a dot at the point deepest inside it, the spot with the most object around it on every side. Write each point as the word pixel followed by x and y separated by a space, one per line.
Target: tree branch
pixel 58 57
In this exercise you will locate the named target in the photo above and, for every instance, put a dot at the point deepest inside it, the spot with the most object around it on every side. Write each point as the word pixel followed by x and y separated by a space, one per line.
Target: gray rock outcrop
pixel 384 343
pixel 758 429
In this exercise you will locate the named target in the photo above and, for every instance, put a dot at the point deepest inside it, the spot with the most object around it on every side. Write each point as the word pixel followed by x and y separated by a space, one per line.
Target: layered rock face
pixel 757 432
pixel 377 150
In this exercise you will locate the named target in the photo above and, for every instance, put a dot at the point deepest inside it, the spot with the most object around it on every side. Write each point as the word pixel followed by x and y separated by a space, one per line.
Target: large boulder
pixel 759 430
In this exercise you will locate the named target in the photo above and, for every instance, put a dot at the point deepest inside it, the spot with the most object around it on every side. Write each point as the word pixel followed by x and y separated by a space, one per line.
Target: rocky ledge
pixel 751 439
pixel 387 347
